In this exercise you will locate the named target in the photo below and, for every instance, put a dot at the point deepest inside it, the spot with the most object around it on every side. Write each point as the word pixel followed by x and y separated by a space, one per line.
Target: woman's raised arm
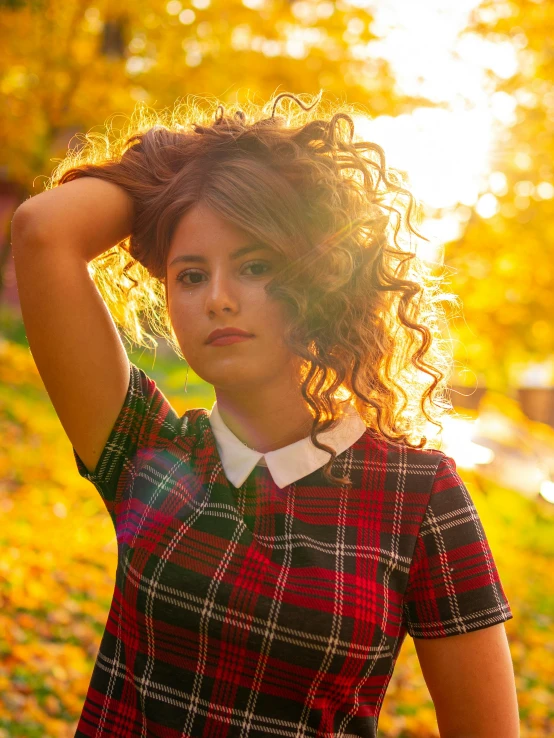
pixel 72 336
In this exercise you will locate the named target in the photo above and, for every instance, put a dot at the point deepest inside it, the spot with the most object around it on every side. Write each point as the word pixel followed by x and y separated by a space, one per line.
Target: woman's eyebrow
pixel 235 255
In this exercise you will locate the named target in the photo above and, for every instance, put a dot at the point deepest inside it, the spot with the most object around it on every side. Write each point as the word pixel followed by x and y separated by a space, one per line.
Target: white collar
pixel 287 464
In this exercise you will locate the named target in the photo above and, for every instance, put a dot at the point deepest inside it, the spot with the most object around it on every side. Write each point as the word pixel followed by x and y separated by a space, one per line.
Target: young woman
pixel 274 551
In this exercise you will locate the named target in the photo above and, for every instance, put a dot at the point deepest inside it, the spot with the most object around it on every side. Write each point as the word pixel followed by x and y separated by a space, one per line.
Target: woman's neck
pixel 274 428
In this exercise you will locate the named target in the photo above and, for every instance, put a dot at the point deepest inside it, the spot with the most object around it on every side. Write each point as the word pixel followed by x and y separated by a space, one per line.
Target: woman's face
pixel 211 286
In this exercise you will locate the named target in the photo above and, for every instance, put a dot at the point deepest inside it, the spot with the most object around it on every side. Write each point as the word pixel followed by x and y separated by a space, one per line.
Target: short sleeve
pixel 146 419
pixel 453 585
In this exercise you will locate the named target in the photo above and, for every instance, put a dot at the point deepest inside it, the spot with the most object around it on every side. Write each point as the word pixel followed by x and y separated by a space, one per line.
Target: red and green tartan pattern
pixel 256 611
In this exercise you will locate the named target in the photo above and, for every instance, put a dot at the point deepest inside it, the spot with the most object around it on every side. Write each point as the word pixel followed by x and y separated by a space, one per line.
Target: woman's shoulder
pixel 164 423
pixel 398 463
pixel 376 442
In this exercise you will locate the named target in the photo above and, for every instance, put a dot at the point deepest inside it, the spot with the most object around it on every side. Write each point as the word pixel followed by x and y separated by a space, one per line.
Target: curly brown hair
pixel 365 311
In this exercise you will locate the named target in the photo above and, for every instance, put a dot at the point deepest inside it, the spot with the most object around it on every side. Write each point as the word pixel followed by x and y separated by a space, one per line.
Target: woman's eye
pixel 182 275
pixel 193 273
pixel 257 264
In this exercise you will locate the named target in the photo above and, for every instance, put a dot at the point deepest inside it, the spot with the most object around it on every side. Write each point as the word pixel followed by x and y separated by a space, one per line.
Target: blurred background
pixel 461 97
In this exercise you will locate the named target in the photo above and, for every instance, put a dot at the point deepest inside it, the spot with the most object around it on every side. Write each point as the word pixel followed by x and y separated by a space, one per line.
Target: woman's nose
pixel 221 293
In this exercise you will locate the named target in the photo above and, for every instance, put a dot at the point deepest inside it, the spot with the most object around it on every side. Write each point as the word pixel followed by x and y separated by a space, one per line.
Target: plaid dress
pixel 257 611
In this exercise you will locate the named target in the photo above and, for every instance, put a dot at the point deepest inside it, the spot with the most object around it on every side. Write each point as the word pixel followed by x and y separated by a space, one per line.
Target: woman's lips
pixel 225 340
